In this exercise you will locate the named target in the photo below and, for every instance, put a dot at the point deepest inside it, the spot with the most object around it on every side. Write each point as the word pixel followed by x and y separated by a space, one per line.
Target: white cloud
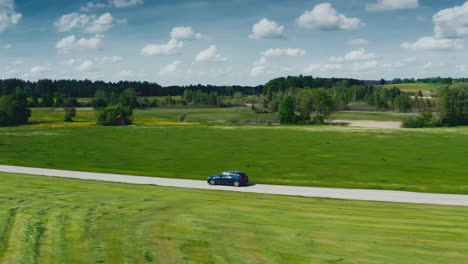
pixel 210 55
pixel 427 65
pixel 313 68
pixel 86 66
pixel 86 23
pixel 8 15
pixel 462 68
pixel 169 69
pixel 99 25
pixel 451 22
pixel 387 5
pixel 266 29
pixel 259 67
pixel 325 17
pixel 7 46
pixel 430 43
pixel 355 55
pixel 112 59
pixel 173 46
pixel 358 42
pixel 69 62
pixel 184 33
pixel 283 52
pixel 90 5
pixel 365 65
pixel 37 70
pixel 66 43
pixel 90 43
pixel 70 42
pixel 125 74
pixel 126 3
pixel 17 62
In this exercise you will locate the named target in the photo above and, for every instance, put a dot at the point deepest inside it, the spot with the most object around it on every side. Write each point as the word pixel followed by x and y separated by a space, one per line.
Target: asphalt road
pixel 336 193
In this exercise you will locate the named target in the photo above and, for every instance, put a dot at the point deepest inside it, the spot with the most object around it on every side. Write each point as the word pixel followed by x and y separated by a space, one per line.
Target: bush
pixel 182 117
pixel 70 113
pixel 116 115
pixel 426 119
pixel 13 109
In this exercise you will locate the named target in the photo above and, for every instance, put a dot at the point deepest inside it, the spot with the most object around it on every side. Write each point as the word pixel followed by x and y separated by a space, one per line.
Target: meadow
pixel 414 87
pixel 75 221
pixel 426 160
pixel 231 115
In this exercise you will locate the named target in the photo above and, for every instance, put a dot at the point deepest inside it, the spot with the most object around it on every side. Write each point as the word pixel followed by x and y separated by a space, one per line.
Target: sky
pixel 236 42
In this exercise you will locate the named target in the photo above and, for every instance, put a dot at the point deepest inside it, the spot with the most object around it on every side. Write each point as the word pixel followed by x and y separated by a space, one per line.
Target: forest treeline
pixel 303 94
pixel 88 89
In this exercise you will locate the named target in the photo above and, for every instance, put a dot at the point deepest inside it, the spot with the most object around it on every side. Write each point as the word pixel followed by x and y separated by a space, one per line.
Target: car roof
pixel 233 172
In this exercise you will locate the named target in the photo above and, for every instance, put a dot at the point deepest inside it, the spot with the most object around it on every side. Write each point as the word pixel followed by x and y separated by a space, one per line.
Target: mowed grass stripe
pixel 119 223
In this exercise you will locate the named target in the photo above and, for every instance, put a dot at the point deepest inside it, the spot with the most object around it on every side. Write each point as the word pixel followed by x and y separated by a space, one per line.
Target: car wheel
pixel 212 182
pixel 236 184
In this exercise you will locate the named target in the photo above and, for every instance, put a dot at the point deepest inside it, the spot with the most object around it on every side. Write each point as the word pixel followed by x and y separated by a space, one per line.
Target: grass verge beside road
pixel 69 221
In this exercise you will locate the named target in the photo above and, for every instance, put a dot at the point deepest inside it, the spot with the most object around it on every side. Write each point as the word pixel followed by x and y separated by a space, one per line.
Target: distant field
pixel 231 115
pixel 45 220
pixel 158 115
pixel 427 160
pixel 414 87
pixel 150 98
pixel 367 115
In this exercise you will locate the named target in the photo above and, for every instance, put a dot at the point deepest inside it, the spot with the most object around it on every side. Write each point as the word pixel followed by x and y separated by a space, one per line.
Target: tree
pixel 420 94
pixel 69 109
pixel 382 81
pixel 286 111
pixel 47 100
pixel 403 103
pixel 38 89
pixel 323 105
pixel 128 98
pixel 28 91
pixel 13 109
pixel 4 90
pixel 58 99
pixel 304 104
pixel 453 104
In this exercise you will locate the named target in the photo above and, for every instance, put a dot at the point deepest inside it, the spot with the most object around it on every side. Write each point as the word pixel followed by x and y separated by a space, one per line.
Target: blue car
pixel 236 178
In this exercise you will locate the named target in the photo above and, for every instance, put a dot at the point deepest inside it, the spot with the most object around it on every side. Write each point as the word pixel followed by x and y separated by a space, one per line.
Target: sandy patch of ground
pixel 368 123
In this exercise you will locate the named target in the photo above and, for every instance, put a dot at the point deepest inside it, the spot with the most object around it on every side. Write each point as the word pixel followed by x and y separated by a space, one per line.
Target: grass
pixel 73 221
pixel 368 115
pixel 234 115
pixel 414 87
pixel 150 98
pixel 49 116
pixel 425 160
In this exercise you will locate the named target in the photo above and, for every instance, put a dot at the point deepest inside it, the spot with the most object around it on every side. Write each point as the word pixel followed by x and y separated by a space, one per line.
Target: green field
pixel 368 115
pixel 150 116
pixel 427 160
pixel 414 87
pixel 232 115
pixel 150 98
pixel 73 221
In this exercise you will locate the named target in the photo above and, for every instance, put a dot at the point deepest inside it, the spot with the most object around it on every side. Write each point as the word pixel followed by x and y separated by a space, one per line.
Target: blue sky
pixel 244 42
